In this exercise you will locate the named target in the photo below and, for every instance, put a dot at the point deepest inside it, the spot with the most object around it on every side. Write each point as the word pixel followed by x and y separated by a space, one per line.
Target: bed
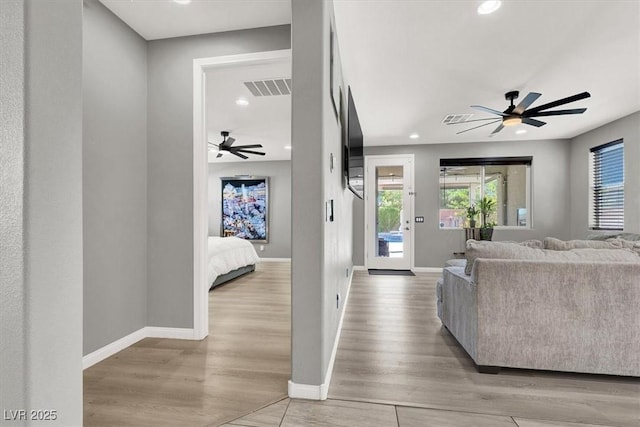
pixel 229 257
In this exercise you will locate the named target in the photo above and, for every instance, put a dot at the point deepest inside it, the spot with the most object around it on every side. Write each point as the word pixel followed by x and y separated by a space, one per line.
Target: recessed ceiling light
pixel 242 102
pixel 521 131
pixel 287 147
pixel 487 7
pixel 414 136
pixel 182 1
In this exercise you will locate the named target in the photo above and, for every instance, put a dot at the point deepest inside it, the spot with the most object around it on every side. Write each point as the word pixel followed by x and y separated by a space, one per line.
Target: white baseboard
pixel 358 268
pixel 426 270
pixel 110 349
pixel 276 259
pixel 172 333
pixel 129 340
pixel 320 392
pixel 307 391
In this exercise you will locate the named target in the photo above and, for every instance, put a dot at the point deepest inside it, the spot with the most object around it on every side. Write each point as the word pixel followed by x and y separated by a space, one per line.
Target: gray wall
pixel 114 178
pixel 433 246
pixel 321 250
pixel 41 292
pixel 627 128
pixel 279 215
pixel 170 162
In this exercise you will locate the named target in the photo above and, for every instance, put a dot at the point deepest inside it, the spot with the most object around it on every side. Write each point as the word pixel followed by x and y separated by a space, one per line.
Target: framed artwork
pixel 245 208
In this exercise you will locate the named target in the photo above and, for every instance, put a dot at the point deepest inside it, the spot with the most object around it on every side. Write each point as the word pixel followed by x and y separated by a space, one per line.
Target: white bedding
pixel 227 254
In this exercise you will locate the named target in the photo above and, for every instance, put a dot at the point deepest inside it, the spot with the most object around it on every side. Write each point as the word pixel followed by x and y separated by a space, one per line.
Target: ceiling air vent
pixel 456 118
pixel 269 87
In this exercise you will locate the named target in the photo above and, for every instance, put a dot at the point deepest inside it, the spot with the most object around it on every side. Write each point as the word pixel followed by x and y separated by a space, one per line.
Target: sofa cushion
pixel 505 250
pixel 561 245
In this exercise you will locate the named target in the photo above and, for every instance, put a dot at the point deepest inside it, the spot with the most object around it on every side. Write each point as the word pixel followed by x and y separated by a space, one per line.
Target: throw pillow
pixel 561 245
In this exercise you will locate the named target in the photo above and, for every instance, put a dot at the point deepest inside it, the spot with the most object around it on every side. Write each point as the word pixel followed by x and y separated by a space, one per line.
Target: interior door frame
pixel 200 176
pixel 410 184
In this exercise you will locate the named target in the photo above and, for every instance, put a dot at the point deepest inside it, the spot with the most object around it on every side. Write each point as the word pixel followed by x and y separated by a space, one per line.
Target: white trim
pixel 358 268
pixel 110 349
pixel 172 333
pixel 320 392
pixel 307 391
pixel 127 341
pixel 200 178
pixel 426 270
pixel 276 259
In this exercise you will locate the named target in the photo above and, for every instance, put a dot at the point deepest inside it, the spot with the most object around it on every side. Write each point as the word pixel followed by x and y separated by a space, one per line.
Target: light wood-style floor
pixel 393 350
pixel 395 367
pixel 243 365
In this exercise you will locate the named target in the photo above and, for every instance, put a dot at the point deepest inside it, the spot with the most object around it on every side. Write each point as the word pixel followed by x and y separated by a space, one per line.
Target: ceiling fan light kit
pixel 521 113
pixel 511 121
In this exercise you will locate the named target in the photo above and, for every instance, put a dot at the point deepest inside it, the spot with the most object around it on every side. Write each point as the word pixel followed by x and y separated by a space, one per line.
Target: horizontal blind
pixel 607 204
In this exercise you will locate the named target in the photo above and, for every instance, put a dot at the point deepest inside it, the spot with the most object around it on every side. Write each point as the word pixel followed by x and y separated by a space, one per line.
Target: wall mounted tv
pixel 354 151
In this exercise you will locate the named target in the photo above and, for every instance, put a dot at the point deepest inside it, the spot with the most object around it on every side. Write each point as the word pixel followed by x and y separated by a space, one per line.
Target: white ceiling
pixel 412 62
pixel 266 120
pixel 161 19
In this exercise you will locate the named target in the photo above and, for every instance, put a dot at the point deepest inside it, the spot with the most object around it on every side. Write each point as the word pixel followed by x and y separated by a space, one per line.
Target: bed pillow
pixel 560 245
pixel 504 250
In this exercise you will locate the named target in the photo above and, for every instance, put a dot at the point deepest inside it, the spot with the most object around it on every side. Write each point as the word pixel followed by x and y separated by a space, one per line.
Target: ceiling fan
pixel 516 114
pixel 226 143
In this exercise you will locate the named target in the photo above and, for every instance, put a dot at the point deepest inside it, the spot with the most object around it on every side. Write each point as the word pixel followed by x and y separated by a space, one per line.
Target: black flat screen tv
pixel 354 151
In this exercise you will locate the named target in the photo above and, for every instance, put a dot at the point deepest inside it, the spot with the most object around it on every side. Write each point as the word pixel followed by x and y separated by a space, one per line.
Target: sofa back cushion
pixel 506 250
pixel 561 245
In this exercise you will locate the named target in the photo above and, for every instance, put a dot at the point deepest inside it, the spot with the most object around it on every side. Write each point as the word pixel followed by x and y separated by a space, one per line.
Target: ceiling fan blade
pixel 533 122
pixel 227 142
pixel 555 112
pixel 219 155
pixel 528 100
pixel 469 121
pixel 484 124
pixel 559 102
pixel 235 153
pixel 248 151
pixel 488 110
pixel 247 146
pixel 498 129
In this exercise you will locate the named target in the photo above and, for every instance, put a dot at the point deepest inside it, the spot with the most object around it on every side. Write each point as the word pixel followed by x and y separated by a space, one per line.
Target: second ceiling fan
pixel 516 114
pixel 238 150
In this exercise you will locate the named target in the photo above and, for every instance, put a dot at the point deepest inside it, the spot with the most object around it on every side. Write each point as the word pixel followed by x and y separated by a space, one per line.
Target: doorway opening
pixel 202 135
pixel 389 212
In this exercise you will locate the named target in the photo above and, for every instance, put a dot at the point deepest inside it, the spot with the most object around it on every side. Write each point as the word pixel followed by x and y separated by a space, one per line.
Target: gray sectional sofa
pixel 522 306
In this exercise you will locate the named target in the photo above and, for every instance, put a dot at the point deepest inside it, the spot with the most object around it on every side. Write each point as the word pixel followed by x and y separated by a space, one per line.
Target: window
pixel 606 210
pixel 505 180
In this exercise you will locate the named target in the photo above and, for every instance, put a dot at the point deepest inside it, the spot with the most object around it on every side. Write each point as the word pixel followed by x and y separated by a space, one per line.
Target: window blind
pixel 607 202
